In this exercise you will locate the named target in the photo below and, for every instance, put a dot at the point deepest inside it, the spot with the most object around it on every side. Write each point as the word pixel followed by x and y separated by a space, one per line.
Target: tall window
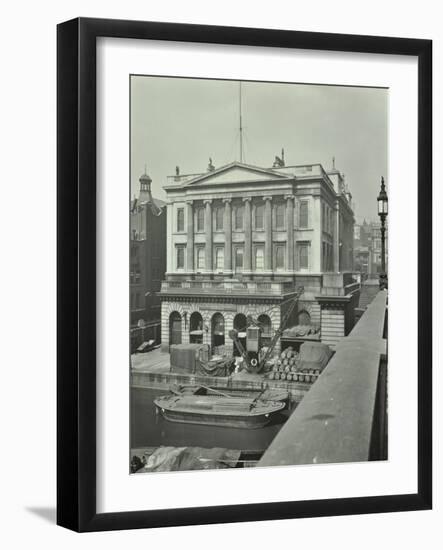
pixel 304 214
pixel 238 217
pixel 259 216
pixel 219 258
pixel 200 258
pixel 180 260
pixel 259 258
pixel 280 216
pixel 238 259
pixel 219 219
pixel 200 219
pixel 180 219
pixel 280 257
pixel 303 255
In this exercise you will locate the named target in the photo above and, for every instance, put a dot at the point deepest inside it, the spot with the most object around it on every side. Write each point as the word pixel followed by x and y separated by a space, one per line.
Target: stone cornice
pixel 333 302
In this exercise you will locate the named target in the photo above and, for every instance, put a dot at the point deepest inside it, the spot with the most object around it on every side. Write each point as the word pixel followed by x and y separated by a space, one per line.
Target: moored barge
pixel 218 410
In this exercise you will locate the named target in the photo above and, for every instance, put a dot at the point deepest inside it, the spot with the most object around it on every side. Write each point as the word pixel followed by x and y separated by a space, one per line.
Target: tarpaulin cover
pixel 300 331
pixel 183 357
pixel 314 355
pixel 170 459
pixel 212 369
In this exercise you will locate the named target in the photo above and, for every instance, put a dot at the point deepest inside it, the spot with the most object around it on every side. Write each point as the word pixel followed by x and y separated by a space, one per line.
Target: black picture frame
pixel 76 294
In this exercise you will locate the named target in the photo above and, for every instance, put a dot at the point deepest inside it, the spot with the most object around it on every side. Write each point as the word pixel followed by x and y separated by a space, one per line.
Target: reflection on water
pixel 151 430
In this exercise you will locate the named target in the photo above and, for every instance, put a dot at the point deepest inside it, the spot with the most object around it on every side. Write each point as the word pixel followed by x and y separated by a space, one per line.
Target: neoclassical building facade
pixel 241 239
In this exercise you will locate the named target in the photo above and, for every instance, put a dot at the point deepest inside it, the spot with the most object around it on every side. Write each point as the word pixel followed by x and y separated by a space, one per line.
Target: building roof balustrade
pixel 229 287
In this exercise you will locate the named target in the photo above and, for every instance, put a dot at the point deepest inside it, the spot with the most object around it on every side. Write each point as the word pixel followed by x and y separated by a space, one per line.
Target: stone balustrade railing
pixel 229 287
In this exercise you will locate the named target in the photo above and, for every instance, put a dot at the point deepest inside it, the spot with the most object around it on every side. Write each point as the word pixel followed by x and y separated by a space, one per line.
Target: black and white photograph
pixel 220 275
pixel 258 274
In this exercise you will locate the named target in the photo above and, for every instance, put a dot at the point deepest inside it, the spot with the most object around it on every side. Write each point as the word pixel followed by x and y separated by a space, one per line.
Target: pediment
pixel 237 173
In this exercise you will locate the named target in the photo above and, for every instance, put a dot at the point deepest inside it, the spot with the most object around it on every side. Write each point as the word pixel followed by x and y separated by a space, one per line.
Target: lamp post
pixel 382 201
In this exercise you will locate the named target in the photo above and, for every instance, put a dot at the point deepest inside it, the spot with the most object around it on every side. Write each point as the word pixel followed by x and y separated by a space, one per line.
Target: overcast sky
pixel 178 121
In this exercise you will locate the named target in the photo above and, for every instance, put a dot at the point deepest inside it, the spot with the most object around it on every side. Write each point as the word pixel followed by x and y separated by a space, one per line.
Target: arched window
pixel 240 322
pixel 265 323
pixel 218 331
pixel 196 328
pixel 304 318
pixel 175 328
pixel 266 326
pixel 240 327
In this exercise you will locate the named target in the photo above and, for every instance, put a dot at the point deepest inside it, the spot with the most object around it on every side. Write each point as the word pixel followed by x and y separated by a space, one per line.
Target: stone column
pixel 190 236
pixel 227 225
pixel 247 267
pixel 290 230
pixel 268 233
pixel 208 234
pixel 337 238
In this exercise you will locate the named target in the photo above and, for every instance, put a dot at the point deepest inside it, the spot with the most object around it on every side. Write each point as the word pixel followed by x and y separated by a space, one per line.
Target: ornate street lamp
pixel 382 201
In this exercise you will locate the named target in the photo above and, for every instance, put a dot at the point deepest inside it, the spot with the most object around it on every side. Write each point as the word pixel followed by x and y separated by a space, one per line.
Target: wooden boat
pixel 221 410
pixel 268 394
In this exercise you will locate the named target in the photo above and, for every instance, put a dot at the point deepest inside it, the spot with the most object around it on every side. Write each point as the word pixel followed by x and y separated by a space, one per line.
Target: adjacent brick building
pixel 147 262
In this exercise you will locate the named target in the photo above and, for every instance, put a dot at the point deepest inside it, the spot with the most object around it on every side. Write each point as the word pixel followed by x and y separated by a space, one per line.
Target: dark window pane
pixel 180 258
pixel 280 216
pixel 259 213
pixel 239 258
pixel 219 219
pixel 239 217
pixel 200 219
pixel 280 257
pixel 304 214
pixel 180 219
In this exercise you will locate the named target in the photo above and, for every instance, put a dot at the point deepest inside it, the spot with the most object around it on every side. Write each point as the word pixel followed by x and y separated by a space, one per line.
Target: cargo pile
pixel 290 367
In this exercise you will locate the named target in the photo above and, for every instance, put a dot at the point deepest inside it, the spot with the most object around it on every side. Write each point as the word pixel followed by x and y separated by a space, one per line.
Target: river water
pixel 151 430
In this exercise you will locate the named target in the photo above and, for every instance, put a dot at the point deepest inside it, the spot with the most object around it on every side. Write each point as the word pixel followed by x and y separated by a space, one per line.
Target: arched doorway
pixel 196 328
pixel 304 318
pixel 217 331
pixel 266 326
pixel 175 328
pixel 240 326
